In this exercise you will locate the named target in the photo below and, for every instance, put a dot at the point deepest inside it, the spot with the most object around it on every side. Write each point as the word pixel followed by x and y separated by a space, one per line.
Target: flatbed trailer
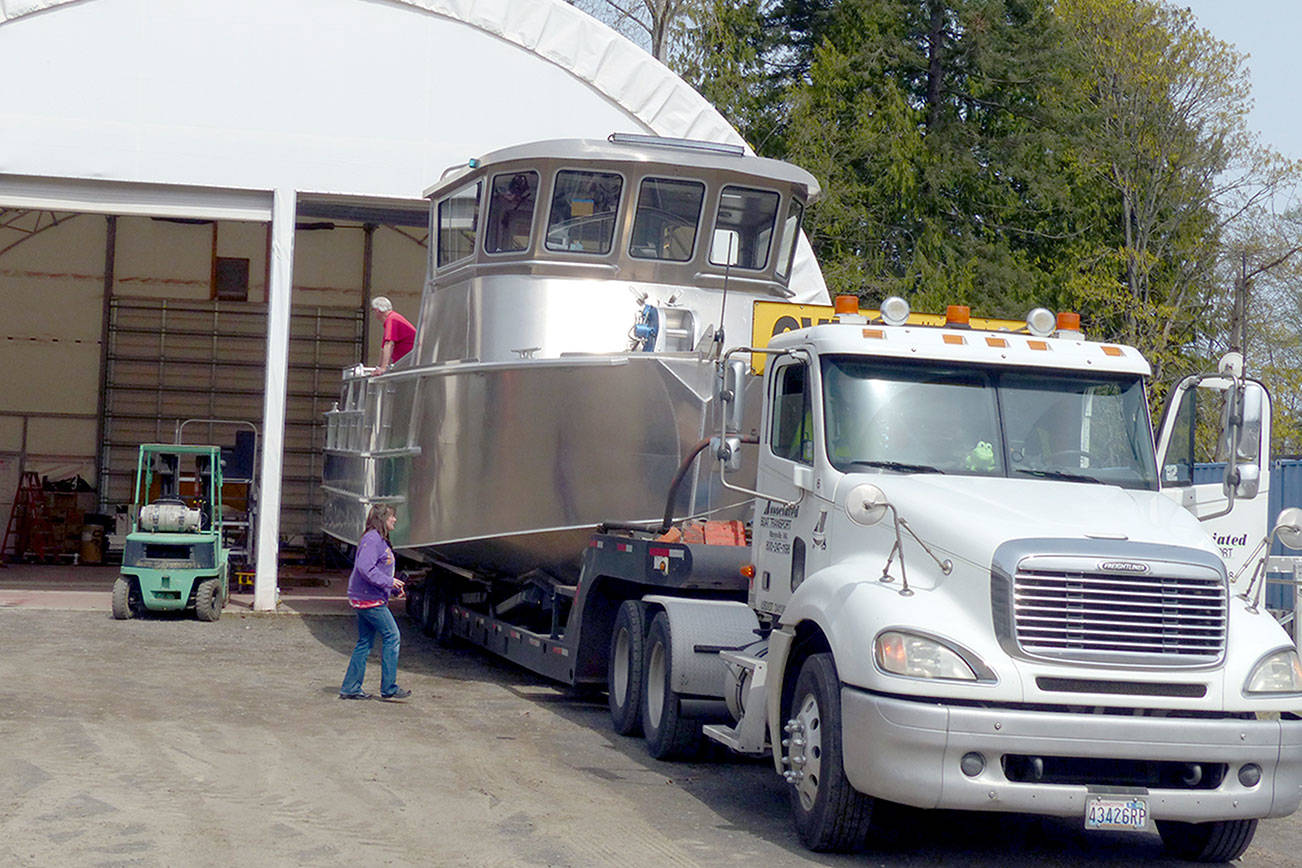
pixel 563 631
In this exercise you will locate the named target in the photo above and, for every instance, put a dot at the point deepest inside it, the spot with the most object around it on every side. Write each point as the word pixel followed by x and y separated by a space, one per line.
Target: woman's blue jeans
pixel 377 619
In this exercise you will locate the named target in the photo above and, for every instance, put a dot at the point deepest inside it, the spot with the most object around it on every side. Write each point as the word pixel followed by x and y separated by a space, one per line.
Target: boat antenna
pixel 723 305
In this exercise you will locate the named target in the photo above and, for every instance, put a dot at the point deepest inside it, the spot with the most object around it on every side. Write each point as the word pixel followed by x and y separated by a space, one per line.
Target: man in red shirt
pixel 399 335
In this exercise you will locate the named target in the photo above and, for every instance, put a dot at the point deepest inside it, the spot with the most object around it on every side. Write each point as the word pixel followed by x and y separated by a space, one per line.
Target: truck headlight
pixel 1278 672
pixel 920 657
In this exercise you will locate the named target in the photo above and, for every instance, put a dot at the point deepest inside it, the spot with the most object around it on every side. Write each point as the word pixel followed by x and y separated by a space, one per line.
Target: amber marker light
pixel 891 654
pixel 847 304
pixel 1068 321
pixel 748 570
pixel 958 315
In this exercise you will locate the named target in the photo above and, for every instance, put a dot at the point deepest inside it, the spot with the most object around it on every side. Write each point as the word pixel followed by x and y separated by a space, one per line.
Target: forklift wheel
pixel 122 609
pixel 208 600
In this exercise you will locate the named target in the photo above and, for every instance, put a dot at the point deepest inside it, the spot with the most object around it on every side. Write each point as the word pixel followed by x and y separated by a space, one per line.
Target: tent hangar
pixel 198 199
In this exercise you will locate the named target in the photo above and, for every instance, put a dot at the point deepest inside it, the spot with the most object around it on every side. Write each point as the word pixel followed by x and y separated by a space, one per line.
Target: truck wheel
pixel 830 814
pixel 625 665
pixel 122 608
pixel 1223 841
pixel 208 600
pixel 668 734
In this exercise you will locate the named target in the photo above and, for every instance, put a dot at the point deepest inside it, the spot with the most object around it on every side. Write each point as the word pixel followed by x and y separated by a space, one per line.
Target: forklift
pixel 175 558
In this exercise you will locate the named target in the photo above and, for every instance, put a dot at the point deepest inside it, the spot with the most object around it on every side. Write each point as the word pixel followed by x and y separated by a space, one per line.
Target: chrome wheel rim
pixel 620 678
pixel 807 751
pixel 655 686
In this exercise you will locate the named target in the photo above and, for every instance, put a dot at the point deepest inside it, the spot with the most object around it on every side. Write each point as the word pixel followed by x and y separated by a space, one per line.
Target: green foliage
pixel 1006 154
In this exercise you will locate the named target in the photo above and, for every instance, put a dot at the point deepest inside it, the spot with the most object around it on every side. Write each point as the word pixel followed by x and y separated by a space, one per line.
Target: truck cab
pixel 980 598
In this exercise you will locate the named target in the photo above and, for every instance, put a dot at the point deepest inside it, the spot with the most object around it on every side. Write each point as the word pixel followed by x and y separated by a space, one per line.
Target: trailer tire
pixel 122 608
pixel 414 603
pixel 669 736
pixel 625 667
pixel 830 814
pixel 436 616
pixel 208 600
pixel 1222 841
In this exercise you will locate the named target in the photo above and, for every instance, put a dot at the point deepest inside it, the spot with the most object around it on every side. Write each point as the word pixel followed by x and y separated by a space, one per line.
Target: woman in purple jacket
pixel 369 589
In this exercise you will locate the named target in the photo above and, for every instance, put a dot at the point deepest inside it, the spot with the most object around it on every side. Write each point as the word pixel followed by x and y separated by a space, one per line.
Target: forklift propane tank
pixel 170 518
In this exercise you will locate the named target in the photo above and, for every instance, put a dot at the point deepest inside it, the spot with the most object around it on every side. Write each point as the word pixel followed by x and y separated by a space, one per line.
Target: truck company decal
pixel 775 524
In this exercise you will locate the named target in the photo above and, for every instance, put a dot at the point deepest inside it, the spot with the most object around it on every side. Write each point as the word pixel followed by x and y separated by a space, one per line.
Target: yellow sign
pixel 771 318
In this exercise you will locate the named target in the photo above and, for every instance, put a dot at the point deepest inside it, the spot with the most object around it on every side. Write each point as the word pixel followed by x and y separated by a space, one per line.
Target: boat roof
pixel 680 153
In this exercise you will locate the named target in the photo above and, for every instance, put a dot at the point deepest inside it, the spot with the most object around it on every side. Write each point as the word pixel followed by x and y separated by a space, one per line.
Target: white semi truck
pixel 972 591
pixel 968 576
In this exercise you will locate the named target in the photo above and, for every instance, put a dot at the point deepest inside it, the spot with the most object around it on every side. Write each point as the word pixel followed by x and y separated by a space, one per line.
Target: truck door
pixel 786 472
pixel 1213 449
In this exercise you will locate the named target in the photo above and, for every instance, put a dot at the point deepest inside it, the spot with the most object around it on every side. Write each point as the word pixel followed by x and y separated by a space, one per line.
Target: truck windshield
pixel 940 418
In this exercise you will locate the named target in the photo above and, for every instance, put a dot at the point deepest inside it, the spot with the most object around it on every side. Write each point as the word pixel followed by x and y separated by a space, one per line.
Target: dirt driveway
pixel 171 742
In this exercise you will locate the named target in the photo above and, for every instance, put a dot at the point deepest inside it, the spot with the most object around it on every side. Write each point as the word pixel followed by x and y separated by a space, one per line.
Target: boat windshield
pixel 945 418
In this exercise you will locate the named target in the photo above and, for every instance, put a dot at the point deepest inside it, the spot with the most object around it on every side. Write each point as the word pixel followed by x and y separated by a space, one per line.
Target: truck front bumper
pixel 911 752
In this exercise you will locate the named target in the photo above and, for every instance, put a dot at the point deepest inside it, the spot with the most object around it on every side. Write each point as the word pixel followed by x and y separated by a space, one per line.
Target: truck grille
pixel 1091 615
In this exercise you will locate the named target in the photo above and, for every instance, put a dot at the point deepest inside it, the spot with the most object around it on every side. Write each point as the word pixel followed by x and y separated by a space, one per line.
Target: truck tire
pixel 122 608
pixel 668 735
pixel 208 600
pixel 830 814
pixel 1223 841
pixel 624 669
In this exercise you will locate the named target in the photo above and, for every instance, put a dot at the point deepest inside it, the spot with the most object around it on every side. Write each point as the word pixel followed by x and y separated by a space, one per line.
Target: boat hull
pixel 505 468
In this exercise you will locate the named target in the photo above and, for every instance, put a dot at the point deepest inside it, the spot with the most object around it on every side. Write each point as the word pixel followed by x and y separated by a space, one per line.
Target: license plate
pixel 1124 813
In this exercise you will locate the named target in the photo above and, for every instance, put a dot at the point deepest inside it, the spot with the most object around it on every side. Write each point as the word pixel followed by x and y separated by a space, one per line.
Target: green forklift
pixel 174 558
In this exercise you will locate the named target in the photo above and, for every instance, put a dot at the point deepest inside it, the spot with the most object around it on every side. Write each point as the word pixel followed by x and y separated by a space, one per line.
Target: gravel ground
pixel 171 742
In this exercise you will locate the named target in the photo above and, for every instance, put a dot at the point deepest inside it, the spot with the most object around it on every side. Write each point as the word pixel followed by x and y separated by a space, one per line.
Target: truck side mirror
pixel 727 450
pixel 1243 469
pixel 1288 527
pixel 730 389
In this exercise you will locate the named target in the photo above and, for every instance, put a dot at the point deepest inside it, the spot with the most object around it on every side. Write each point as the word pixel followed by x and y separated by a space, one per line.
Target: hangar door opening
pixel 123 326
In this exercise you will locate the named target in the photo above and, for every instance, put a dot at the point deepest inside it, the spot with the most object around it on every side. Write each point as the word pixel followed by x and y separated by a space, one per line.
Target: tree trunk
pixel 935 40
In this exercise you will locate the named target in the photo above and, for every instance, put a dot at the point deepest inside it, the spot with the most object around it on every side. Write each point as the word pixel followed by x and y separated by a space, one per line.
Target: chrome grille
pixel 1176 620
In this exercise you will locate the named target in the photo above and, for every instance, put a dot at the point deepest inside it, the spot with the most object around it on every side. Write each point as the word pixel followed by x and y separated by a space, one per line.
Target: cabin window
pixel 582 216
pixel 458 220
pixel 790 231
pixel 668 212
pixel 510 212
pixel 791 432
pixel 744 228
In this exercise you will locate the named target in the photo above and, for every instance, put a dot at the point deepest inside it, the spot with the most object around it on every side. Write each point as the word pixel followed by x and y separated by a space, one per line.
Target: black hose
pixel 668 521
pixel 678 480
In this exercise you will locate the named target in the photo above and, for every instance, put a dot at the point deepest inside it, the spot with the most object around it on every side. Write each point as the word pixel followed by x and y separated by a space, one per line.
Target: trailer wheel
pixel 414 603
pixel 830 814
pixel 122 608
pixel 668 734
pixel 1207 842
pixel 208 600
pixel 624 669
pixel 436 615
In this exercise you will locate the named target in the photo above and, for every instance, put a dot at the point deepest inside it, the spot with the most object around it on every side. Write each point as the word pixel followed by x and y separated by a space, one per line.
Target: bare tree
pixel 650 23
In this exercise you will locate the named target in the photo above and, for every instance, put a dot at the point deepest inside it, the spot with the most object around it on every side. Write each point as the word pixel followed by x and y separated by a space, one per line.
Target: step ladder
pixel 29 522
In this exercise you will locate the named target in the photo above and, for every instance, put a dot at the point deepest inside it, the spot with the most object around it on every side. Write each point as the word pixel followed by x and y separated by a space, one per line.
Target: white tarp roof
pixel 341 97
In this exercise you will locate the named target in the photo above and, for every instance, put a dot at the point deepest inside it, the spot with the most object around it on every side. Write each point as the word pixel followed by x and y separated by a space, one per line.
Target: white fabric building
pixel 274 111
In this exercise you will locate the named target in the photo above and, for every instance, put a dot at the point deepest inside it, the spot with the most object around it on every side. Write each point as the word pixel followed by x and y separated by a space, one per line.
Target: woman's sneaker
pixel 397 694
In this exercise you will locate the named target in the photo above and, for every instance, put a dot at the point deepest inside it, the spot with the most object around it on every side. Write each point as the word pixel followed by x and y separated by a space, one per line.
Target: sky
pixel 1268 30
